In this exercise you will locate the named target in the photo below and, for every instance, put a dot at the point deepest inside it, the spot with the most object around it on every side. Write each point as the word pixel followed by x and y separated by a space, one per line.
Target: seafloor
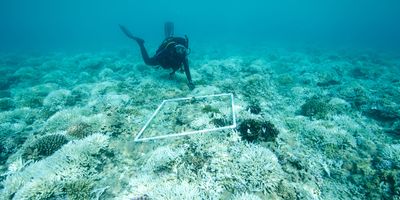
pixel 313 123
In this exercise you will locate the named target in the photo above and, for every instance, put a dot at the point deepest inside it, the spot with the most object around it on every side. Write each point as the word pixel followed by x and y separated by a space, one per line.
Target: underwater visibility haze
pixel 310 104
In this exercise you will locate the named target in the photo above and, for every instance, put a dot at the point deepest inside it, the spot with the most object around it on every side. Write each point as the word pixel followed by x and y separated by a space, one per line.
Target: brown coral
pixel 44 146
pixel 80 130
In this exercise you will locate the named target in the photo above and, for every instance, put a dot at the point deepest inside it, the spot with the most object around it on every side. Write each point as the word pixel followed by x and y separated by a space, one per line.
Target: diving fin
pixel 129 34
pixel 168 29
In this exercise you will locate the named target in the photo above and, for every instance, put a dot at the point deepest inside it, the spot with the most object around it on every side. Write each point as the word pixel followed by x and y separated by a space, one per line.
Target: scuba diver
pixel 171 54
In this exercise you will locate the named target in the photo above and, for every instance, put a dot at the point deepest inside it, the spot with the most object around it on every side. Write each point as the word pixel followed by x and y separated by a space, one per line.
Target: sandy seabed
pixel 312 124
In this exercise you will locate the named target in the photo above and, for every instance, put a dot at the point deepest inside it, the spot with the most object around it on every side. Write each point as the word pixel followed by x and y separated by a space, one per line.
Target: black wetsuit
pixel 167 56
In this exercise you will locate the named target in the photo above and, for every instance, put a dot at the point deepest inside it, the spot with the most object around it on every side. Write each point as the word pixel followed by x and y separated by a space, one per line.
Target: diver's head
pixel 182 50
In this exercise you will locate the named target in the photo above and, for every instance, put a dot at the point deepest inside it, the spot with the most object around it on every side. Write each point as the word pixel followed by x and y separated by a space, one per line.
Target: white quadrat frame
pixel 138 139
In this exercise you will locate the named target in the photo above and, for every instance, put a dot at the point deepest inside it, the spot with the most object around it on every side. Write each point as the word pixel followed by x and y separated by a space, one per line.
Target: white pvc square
pixel 218 109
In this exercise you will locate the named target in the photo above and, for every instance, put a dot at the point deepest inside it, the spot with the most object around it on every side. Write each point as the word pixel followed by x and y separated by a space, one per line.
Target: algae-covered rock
pixel 6 104
pixel 44 146
pixel 254 107
pixel 360 73
pixel 9 144
pixel 209 109
pixel 327 83
pixel 395 130
pixel 257 130
pixel 220 122
pixel 382 114
pixel 315 107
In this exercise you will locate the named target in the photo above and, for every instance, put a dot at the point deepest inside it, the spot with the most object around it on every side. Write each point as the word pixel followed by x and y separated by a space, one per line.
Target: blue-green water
pixel 93 24
pixel 316 98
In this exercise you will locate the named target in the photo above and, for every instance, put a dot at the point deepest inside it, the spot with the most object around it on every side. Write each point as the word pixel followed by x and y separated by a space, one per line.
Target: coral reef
pixel 255 169
pixel 395 129
pixel 162 159
pixel 246 196
pixel 78 189
pixel 195 157
pixel 9 145
pixel 72 162
pixel 145 186
pixel 33 96
pixel 67 123
pixel 44 146
pixel 61 119
pixel 80 130
pixel 57 100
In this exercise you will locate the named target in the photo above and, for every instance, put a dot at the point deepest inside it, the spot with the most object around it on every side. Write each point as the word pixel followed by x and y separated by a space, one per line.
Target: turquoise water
pixel 92 25
pixel 316 100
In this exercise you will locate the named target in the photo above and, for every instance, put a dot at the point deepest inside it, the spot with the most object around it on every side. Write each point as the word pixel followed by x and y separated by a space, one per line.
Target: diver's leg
pixel 168 29
pixel 129 34
pixel 146 58
pixel 145 55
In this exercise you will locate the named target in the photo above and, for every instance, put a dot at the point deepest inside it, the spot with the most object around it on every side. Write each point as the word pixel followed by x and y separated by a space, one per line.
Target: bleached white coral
pixel 7 128
pixel 226 111
pixel 71 161
pixel 104 102
pixel 40 189
pixel 17 165
pixel 210 186
pixel 101 88
pixel 62 119
pixel 106 73
pixel 182 190
pixel 254 169
pixel 115 100
pixel 57 99
pixel 206 90
pixel 330 138
pixel 56 76
pixel 19 116
pixel 392 153
pixel 32 96
pixel 200 122
pixel 161 158
pixel 25 73
pixel 347 122
pixel 258 66
pixel 339 104
pixel 246 196
pixel 163 187
pixel 339 138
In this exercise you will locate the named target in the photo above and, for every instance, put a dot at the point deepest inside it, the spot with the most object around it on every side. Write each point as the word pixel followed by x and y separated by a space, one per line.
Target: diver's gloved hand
pixel 191 85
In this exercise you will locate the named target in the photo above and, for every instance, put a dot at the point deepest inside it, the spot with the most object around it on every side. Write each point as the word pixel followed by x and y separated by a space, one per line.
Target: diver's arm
pixel 187 72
